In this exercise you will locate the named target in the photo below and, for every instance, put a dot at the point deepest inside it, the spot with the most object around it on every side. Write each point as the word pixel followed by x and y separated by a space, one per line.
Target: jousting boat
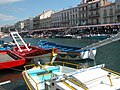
pixel 9 59
pixel 31 52
pixel 25 50
pixel 67 52
pixel 37 77
pixel 66 78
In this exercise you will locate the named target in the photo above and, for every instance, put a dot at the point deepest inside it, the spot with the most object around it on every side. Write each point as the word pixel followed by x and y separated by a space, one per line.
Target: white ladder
pixel 16 37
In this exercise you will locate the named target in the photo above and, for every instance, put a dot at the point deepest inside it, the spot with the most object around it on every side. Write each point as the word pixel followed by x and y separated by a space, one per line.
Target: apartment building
pixel 65 18
pixel 43 20
pixel 36 21
pixel 117 10
pixel 7 28
pixel 19 25
pixel 107 14
pixel 45 23
pixel 28 24
pixel 56 19
pixel 88 12
pixel 83 14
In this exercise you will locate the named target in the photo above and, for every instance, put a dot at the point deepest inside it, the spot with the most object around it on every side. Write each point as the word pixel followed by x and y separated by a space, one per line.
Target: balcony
pixel 94 15
pixel 93 8
pixel 117 10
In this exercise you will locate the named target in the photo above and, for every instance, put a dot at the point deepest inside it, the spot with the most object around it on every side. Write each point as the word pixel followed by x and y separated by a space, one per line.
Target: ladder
pixel 17 39
pixel 103 42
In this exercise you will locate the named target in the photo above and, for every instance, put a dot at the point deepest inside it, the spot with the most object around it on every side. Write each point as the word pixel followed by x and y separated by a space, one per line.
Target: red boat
pixel 32 52
pixel 9 59
pixel 25 50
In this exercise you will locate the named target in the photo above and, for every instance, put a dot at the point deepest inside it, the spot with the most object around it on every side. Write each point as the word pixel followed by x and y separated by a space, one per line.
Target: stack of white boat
pixel 60 77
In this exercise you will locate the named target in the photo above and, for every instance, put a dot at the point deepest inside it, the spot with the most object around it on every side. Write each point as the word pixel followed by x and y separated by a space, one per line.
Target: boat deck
pixel 5 58
pixel 93 79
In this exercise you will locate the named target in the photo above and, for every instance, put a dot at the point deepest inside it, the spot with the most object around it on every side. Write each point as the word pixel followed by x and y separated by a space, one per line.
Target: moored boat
pixel 26 50
pixel 95 36
pixel 65 78
pixel 49 45
pixel 9 59
pixel 37 77
pixel 6 45
pixel 34 51
pixel 67 52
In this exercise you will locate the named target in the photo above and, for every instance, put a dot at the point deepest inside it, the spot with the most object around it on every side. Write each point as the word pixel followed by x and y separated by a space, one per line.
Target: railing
pixel 72 88
pixel 117 73
pixel 63 63
pixel 32 65
pixel 109 74
pixel 49 63
pixel 80 84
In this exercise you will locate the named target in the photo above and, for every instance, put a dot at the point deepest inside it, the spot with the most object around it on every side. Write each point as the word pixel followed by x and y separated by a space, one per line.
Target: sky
pixel 12 11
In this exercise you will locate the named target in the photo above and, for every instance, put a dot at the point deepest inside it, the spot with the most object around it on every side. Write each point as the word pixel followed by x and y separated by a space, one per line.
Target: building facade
pixel 88 12
pixel 83 14
pixel 28 24
pixel 56 19
pixel 43 20
pixel 107 14
pixel 117 10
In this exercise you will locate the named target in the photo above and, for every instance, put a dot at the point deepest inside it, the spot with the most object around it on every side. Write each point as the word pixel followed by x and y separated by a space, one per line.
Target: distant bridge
pixel 103 42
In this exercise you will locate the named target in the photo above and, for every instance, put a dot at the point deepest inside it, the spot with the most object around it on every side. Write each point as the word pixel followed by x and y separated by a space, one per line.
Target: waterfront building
pixel 6 28
pixel 28 24
pixel 88 12
pixel 117 10
pixel 19 25
pixel 93 12
pixel 36 20
pixel 65 18
pixel 83 14
pixel 56 19
pixel 107 14
pixel 74 16
pixel 43 20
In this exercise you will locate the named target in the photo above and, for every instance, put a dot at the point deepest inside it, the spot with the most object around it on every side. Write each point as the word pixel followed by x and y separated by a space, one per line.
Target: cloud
pixel 4 17
pixel 18 10
pixel 8 1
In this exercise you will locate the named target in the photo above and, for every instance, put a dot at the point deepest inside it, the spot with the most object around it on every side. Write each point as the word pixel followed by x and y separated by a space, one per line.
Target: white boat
pixel 66 78
pixel 40 77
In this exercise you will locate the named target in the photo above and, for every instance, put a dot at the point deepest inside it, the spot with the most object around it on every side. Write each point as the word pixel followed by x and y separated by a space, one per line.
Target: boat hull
pixel 67 52
pixel 34 51
pixel 9 59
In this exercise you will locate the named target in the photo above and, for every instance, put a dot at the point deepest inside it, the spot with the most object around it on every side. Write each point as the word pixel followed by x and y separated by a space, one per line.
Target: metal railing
pixel 63 63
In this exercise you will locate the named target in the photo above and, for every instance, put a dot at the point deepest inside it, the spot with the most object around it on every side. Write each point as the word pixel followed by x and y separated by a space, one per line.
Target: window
pixel 111 11
pixel 105 13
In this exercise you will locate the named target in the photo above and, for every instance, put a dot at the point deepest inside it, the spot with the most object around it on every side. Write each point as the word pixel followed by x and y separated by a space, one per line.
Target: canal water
pixel 108 54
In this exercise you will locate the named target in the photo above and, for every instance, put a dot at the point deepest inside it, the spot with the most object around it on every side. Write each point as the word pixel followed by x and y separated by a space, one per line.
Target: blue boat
pixel 61 48
pixel 67 52
pixel 5 46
